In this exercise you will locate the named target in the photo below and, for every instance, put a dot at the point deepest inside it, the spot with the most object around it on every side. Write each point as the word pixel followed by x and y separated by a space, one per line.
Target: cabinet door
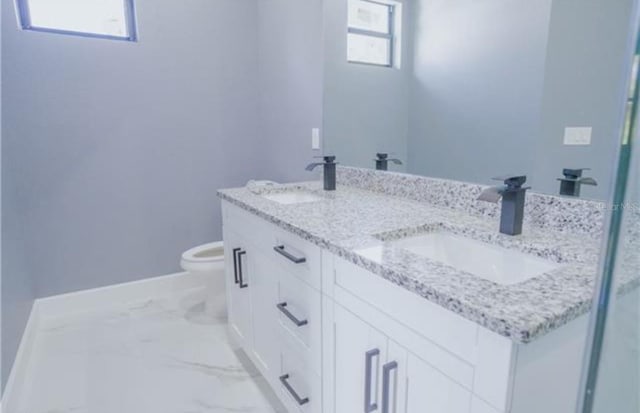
pixel 394 379
pixel 264 298
pixel 238 282
pixel 428 390
pixel 360 352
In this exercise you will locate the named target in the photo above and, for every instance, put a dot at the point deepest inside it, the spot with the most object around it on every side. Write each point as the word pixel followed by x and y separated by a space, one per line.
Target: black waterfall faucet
pixel 382 161
pixel 573 180
pixel 513 197
pixel 329 172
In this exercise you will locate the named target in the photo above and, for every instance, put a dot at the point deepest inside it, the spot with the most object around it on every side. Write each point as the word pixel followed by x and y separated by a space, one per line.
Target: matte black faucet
pixel 329 171
pixel 513 196
pixel 573 180
pixel 382 161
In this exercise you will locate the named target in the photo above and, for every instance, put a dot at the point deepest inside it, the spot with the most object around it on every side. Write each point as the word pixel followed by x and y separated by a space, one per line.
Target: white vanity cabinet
pixel 373 373
pixel 442 362
pixel 332 337
pixel 382 365
pixel 273 291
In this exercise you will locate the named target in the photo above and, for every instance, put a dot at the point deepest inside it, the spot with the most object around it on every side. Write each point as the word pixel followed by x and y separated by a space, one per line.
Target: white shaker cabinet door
pixel 360 353
pixel 428 390
pixel 237 284
pixel 263 288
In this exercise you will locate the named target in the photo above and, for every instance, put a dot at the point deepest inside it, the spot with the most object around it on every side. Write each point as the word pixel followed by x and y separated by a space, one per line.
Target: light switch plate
pixel 577 136
pixel 315 138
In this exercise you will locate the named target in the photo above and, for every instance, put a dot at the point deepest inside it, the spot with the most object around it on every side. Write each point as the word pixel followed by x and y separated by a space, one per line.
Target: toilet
pixel 207 261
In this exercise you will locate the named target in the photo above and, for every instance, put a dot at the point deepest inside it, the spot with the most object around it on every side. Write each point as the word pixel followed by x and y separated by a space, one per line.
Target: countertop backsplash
pixel 560 214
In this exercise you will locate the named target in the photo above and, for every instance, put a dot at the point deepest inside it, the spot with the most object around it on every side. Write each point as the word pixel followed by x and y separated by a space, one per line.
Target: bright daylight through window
pixel 372 28
pixel 110 19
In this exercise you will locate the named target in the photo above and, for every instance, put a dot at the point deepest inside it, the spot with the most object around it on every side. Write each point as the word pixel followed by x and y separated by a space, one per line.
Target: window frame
pixel 390 35
pixel 24 20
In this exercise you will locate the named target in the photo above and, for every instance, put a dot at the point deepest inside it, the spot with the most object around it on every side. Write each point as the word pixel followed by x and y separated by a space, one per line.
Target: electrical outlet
pixel 577 136
pixel 315 139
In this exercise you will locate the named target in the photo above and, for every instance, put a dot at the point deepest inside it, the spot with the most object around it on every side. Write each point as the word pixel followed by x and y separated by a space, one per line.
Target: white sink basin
pixel 292 197
pixel 500 265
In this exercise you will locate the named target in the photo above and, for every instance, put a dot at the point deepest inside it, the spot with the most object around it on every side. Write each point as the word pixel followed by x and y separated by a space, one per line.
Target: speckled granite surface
pixel 561 214
pixel 350 221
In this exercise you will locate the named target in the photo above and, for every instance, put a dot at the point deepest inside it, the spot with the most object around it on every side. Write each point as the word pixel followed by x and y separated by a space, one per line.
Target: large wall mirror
pixel 472 89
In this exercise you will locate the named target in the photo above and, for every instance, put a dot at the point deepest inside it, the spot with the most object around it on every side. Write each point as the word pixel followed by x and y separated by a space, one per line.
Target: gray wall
pixel 477 89
pixel 116 149
pixel 497 82
pixel 365 107
pixel 17 289
pixel 113 151
pixel 290 73
pixel 585 80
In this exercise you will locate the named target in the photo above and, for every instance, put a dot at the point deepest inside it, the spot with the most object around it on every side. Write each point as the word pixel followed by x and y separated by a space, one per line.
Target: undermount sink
pixel 292 197
pixel 491 262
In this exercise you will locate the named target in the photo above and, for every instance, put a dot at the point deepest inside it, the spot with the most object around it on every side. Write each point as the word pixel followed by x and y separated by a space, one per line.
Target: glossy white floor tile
pixel 156 356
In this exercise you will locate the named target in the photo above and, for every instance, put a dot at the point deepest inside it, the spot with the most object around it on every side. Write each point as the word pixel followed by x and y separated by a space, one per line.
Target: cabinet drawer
pixel 299 318
pixel 256 230
pixel 299 387
pixel 290 252
pixel 298 257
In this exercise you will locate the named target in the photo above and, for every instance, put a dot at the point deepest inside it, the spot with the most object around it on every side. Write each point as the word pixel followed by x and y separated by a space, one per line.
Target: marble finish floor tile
pixel 155 356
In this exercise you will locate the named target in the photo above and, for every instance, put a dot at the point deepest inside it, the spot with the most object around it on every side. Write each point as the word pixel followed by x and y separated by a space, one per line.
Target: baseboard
pixel 15 383
pixel 105 297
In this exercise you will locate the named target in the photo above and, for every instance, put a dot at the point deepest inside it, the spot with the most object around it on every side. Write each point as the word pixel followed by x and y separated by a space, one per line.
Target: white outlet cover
pixel 315 138
pixel 577 136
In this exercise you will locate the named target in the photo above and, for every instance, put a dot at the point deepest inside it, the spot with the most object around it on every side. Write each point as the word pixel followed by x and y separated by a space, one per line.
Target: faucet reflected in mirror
pixel 573 180
pixel 382 161
pixel 513 197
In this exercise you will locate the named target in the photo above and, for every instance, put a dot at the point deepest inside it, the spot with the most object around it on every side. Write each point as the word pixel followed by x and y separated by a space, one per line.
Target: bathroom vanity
pixel 346 302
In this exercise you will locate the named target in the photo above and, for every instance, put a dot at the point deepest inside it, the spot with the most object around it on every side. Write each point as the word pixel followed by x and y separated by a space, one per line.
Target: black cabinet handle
pixel 368 370
pixel 301 401
pixel 296 260
pixel 386 386
pixel 283 308
pixel 235 264
pixel 240 275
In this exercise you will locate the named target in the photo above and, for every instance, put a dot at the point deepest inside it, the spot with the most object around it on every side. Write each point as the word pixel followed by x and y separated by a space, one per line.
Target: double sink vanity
pixel 397 293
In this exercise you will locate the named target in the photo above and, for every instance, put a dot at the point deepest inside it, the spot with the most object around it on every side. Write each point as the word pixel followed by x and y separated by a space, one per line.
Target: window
pixel 371 33
pixel 110 19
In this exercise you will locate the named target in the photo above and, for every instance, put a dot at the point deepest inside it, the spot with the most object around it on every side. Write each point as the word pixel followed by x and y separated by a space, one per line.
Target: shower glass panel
pixel 611 377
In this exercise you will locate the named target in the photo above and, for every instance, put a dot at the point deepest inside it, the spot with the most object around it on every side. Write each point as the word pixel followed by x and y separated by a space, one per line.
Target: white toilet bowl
pixel 207 261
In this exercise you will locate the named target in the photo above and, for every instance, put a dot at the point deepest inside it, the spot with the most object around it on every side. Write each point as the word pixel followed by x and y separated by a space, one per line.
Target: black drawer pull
pixel 368 386
pixel 240 275
pixel 387 369
pixel 296 260
pixel 235 264
pixel 301 401
pixel 283 308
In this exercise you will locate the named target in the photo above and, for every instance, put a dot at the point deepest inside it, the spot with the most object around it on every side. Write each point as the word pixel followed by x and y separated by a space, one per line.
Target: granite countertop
pixel 349 220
